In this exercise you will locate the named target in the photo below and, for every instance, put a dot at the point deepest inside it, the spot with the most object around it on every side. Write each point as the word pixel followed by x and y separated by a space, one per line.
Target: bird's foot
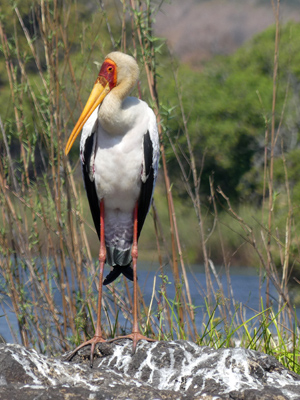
pixel 135 337
pixel 92 342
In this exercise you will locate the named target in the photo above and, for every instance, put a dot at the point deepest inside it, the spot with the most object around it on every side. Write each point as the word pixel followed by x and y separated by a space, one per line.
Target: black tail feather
pixel 126 270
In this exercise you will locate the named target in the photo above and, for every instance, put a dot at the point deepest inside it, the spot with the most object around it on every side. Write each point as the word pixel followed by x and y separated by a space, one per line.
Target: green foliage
pixel 228 105
pixel 47 252
pixel 83 42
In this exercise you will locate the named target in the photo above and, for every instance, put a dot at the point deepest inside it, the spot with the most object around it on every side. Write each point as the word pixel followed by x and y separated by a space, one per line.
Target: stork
pixel 119 152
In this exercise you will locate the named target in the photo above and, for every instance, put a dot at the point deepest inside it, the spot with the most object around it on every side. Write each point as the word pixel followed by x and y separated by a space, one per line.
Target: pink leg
pixel 135 335
pixel 102 256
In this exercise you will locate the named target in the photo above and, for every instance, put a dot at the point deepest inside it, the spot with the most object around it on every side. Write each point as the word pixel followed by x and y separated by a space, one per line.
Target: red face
pixel 109 72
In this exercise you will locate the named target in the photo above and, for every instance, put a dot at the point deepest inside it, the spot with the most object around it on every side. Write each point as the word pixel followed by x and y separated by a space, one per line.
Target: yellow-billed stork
pixel 119 152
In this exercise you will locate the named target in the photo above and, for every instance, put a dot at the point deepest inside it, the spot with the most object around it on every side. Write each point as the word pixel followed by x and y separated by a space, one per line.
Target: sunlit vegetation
pixel 228 190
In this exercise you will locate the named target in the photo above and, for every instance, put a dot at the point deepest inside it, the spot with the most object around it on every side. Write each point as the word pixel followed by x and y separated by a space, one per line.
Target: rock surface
pixel 159 370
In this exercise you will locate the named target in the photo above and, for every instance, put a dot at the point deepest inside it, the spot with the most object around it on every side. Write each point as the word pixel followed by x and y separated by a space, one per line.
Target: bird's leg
pixel 135 335
pixel 134 255
pixel 102 256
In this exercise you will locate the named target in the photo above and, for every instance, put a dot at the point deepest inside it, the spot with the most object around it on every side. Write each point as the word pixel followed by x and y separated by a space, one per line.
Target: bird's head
pixel 117 70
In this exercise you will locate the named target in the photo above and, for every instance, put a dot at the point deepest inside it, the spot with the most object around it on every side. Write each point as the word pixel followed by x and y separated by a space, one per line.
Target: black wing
pixel 147 186
pixel 90 185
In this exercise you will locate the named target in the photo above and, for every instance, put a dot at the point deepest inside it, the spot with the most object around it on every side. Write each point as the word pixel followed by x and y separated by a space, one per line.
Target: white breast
pixel 117 169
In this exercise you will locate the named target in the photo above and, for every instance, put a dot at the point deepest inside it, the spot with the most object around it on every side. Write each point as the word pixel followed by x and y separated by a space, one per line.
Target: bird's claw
pixel 135 337
pixel 92 342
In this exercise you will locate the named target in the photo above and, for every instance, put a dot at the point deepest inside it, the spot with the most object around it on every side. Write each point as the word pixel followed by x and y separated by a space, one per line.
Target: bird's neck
pixel 113 114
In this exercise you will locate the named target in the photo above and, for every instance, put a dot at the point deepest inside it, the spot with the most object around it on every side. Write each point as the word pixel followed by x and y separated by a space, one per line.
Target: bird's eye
pixel 109 69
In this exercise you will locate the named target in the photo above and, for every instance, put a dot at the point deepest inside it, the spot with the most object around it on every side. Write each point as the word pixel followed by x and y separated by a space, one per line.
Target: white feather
pixel 117 164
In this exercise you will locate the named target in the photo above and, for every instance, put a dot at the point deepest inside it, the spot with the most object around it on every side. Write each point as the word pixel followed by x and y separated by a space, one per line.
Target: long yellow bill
pixel 99 91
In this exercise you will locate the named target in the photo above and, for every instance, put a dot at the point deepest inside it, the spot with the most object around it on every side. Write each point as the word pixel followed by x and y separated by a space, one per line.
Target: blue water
pixel 244 281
